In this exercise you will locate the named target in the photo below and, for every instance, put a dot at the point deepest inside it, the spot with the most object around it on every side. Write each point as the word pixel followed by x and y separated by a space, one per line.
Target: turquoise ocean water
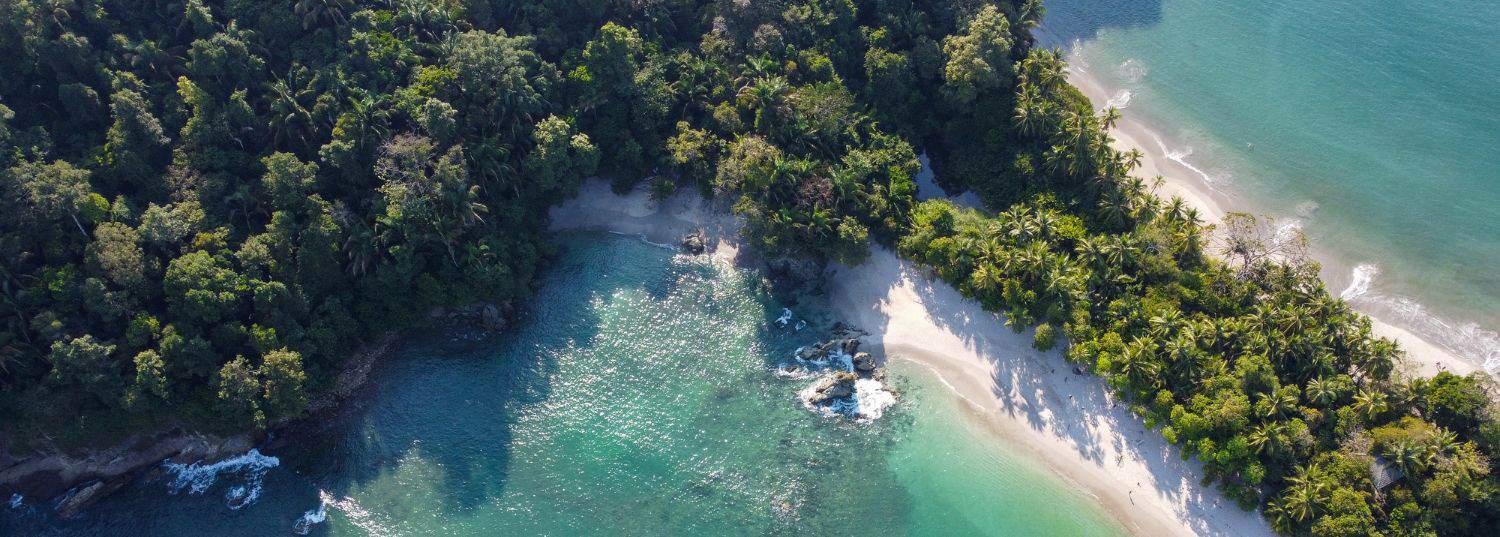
pixel 638 396
pixel 1372 124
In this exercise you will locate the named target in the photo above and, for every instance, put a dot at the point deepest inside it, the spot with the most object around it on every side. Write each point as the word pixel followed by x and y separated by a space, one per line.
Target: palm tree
pixel 1109 117
pixel 1321 392
pixel 1138 364
pixel 1370 403
pixel 291 124
pixel 766 96
pixel 1269 437
pixel 1411 456
pixel 1115 208
pixel 1030 111
pixel 363 247
pixel 1302 498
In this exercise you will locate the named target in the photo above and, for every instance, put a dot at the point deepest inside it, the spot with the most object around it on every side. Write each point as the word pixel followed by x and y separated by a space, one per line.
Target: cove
pixel 637 396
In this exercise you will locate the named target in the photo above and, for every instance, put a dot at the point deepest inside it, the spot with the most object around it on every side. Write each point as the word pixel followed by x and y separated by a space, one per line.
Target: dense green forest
pixel 207 205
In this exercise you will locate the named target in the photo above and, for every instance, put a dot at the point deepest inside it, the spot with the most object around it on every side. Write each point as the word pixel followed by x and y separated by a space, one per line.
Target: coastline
pixel 1424 357
pixel 1069 422
pixel 74 480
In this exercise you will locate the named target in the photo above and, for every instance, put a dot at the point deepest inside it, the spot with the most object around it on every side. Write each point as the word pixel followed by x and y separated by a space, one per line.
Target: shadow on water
pixel 453 397
pixel 1070 20
pixel 444 431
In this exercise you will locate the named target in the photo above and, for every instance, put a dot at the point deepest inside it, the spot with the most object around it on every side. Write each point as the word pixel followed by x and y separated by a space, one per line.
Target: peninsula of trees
pixel 206 205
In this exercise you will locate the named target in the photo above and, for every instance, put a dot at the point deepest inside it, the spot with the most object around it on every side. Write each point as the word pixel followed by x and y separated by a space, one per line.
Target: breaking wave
pixel 355 514
pixel 1180 157
pixel 1362 276
pixel 1120 100
pixel 1465 339
pixel 197 478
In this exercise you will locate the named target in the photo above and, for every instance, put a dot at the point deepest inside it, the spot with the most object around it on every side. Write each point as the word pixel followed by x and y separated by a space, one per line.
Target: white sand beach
pixel 1034 399
pixel 1424 358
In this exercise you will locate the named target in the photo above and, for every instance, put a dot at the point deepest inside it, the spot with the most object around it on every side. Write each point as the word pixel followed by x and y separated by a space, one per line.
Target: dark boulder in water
pixel 864 364
pixel 837 385
pixel 694 243
pixel 491 318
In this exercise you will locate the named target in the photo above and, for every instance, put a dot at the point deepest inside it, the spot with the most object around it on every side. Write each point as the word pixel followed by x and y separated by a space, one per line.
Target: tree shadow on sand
pixel 1028 385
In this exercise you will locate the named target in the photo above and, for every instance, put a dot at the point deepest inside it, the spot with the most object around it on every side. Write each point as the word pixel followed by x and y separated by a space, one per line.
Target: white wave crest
pixel 197 478
pixel 1287 231
pixel 1361 278
pixel 1465 339
pixel 1120 100
pixel 872 398
pixel 1180 157
pixel 1075 57
pixel 353 512
pixel 868 402
pixel 311 518
pixel 786 317
pixel 16 500
pixel 642 237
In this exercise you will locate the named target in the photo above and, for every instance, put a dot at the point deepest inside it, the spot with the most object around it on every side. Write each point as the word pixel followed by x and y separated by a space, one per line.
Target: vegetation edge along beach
pixel 207 205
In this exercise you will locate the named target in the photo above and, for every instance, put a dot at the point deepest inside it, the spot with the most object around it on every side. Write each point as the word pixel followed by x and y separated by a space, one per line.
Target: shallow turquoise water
pixel 1375 123
pixel 636 398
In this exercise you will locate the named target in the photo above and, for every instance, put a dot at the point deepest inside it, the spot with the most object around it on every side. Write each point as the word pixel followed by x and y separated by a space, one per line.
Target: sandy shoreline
pixel 1069 421
pixel 1424 358
pixel 1033 399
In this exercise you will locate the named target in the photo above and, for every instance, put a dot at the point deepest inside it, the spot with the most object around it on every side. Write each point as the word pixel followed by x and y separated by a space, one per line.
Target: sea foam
pixel 352 511
pixel 1120 100
pixel 868 402
pixel 197 478
pixel 312 517
pixel 1180 157
pixel 1467 340
pixel 786 317
pixel 16 501
pixel 1360 279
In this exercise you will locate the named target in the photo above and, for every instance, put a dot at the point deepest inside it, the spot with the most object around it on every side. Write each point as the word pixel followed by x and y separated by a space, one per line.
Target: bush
pixel 1045 338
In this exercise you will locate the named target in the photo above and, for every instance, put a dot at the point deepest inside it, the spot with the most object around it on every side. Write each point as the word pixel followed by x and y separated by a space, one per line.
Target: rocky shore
pixel 848 382
pixel 71 481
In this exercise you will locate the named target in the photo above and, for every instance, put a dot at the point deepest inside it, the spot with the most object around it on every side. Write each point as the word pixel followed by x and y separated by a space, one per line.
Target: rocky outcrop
pixel 795 271
pixel 491 316
pixel 694 243
pixel 352 374
pixel 834 386
pixel 101 472
pixel 78 479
